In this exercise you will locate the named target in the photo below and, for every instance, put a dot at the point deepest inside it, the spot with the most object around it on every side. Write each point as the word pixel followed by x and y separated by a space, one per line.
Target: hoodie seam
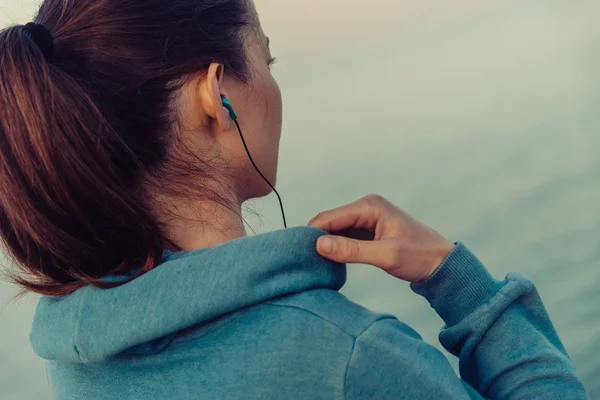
pixel 320 317
pixel 356 339
pixel 312 313
pixel 233 317
pixel 77 335
pixel 348 369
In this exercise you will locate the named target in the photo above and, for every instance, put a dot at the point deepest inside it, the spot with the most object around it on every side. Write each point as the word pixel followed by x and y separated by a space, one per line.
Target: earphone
pixel 234 117
pixel 228 106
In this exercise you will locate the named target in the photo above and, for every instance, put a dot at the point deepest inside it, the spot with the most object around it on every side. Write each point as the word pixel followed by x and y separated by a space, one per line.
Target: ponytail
pixel 67 213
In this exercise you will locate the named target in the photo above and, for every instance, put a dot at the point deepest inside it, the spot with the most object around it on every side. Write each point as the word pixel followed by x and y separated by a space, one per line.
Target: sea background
pixel 481 118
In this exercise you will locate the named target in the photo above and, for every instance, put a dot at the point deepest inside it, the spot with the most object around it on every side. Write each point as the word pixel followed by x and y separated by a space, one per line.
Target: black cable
pixel 261 174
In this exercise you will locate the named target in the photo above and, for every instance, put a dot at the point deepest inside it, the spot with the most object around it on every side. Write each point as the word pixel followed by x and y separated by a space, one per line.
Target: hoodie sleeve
pixel 500 330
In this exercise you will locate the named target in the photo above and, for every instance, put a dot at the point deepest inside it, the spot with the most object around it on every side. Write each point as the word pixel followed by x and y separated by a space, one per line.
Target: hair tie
pixel 42 37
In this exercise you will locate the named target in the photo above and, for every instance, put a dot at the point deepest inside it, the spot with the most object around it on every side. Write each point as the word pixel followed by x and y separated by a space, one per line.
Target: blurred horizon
pixel 480 118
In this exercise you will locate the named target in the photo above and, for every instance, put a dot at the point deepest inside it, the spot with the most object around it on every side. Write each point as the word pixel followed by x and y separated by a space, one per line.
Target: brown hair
pixel 80 130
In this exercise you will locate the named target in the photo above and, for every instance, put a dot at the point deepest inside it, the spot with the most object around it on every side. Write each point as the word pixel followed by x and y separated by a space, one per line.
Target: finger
pixel 360 214
pixel 356 233
pixel 382 253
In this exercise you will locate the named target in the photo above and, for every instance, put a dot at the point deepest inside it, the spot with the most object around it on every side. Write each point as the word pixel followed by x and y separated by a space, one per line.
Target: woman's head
pixel 100 141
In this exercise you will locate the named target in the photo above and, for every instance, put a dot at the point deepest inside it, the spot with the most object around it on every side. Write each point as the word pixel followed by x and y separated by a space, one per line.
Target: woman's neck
pixel 201 226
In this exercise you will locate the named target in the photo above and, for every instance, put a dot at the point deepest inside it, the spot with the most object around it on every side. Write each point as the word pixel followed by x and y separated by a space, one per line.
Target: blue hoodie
pixel 261 318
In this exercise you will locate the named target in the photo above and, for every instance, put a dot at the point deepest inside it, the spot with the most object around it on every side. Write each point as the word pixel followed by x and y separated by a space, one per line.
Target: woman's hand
pixel 398 244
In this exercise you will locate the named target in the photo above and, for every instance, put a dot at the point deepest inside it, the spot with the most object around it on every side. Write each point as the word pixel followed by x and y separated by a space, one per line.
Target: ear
pixel 211 91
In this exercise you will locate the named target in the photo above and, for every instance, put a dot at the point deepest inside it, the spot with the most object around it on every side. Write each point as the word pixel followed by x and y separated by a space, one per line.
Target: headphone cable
pixel 260 173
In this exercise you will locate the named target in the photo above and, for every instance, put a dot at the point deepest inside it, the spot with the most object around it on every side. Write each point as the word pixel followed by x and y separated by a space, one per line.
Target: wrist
pixel 459 286
pixel 440 254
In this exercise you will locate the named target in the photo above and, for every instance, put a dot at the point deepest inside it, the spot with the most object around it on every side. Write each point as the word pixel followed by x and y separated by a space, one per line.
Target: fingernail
pixel 327 245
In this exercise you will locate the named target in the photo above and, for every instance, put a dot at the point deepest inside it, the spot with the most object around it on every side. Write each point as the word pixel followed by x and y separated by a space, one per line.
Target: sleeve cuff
pixel 460 286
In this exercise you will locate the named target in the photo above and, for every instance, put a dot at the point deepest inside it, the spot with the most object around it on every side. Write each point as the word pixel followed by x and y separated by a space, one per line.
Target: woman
pixel 123 178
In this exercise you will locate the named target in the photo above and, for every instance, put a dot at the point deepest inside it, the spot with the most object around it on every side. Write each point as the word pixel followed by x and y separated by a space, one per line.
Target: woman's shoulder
pixel 333 308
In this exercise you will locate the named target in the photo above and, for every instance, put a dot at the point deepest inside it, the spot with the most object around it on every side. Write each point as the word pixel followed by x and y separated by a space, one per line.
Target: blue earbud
pixel 228 106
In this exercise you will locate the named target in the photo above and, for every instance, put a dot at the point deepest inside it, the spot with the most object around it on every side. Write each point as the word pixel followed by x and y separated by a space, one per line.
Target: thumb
pixel 380 253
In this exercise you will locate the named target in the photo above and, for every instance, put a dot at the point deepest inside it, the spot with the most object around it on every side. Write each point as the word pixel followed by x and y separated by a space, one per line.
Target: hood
pixel 187 289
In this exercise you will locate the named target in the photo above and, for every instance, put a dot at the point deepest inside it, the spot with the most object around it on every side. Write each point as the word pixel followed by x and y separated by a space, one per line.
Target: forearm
pixel 507 345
